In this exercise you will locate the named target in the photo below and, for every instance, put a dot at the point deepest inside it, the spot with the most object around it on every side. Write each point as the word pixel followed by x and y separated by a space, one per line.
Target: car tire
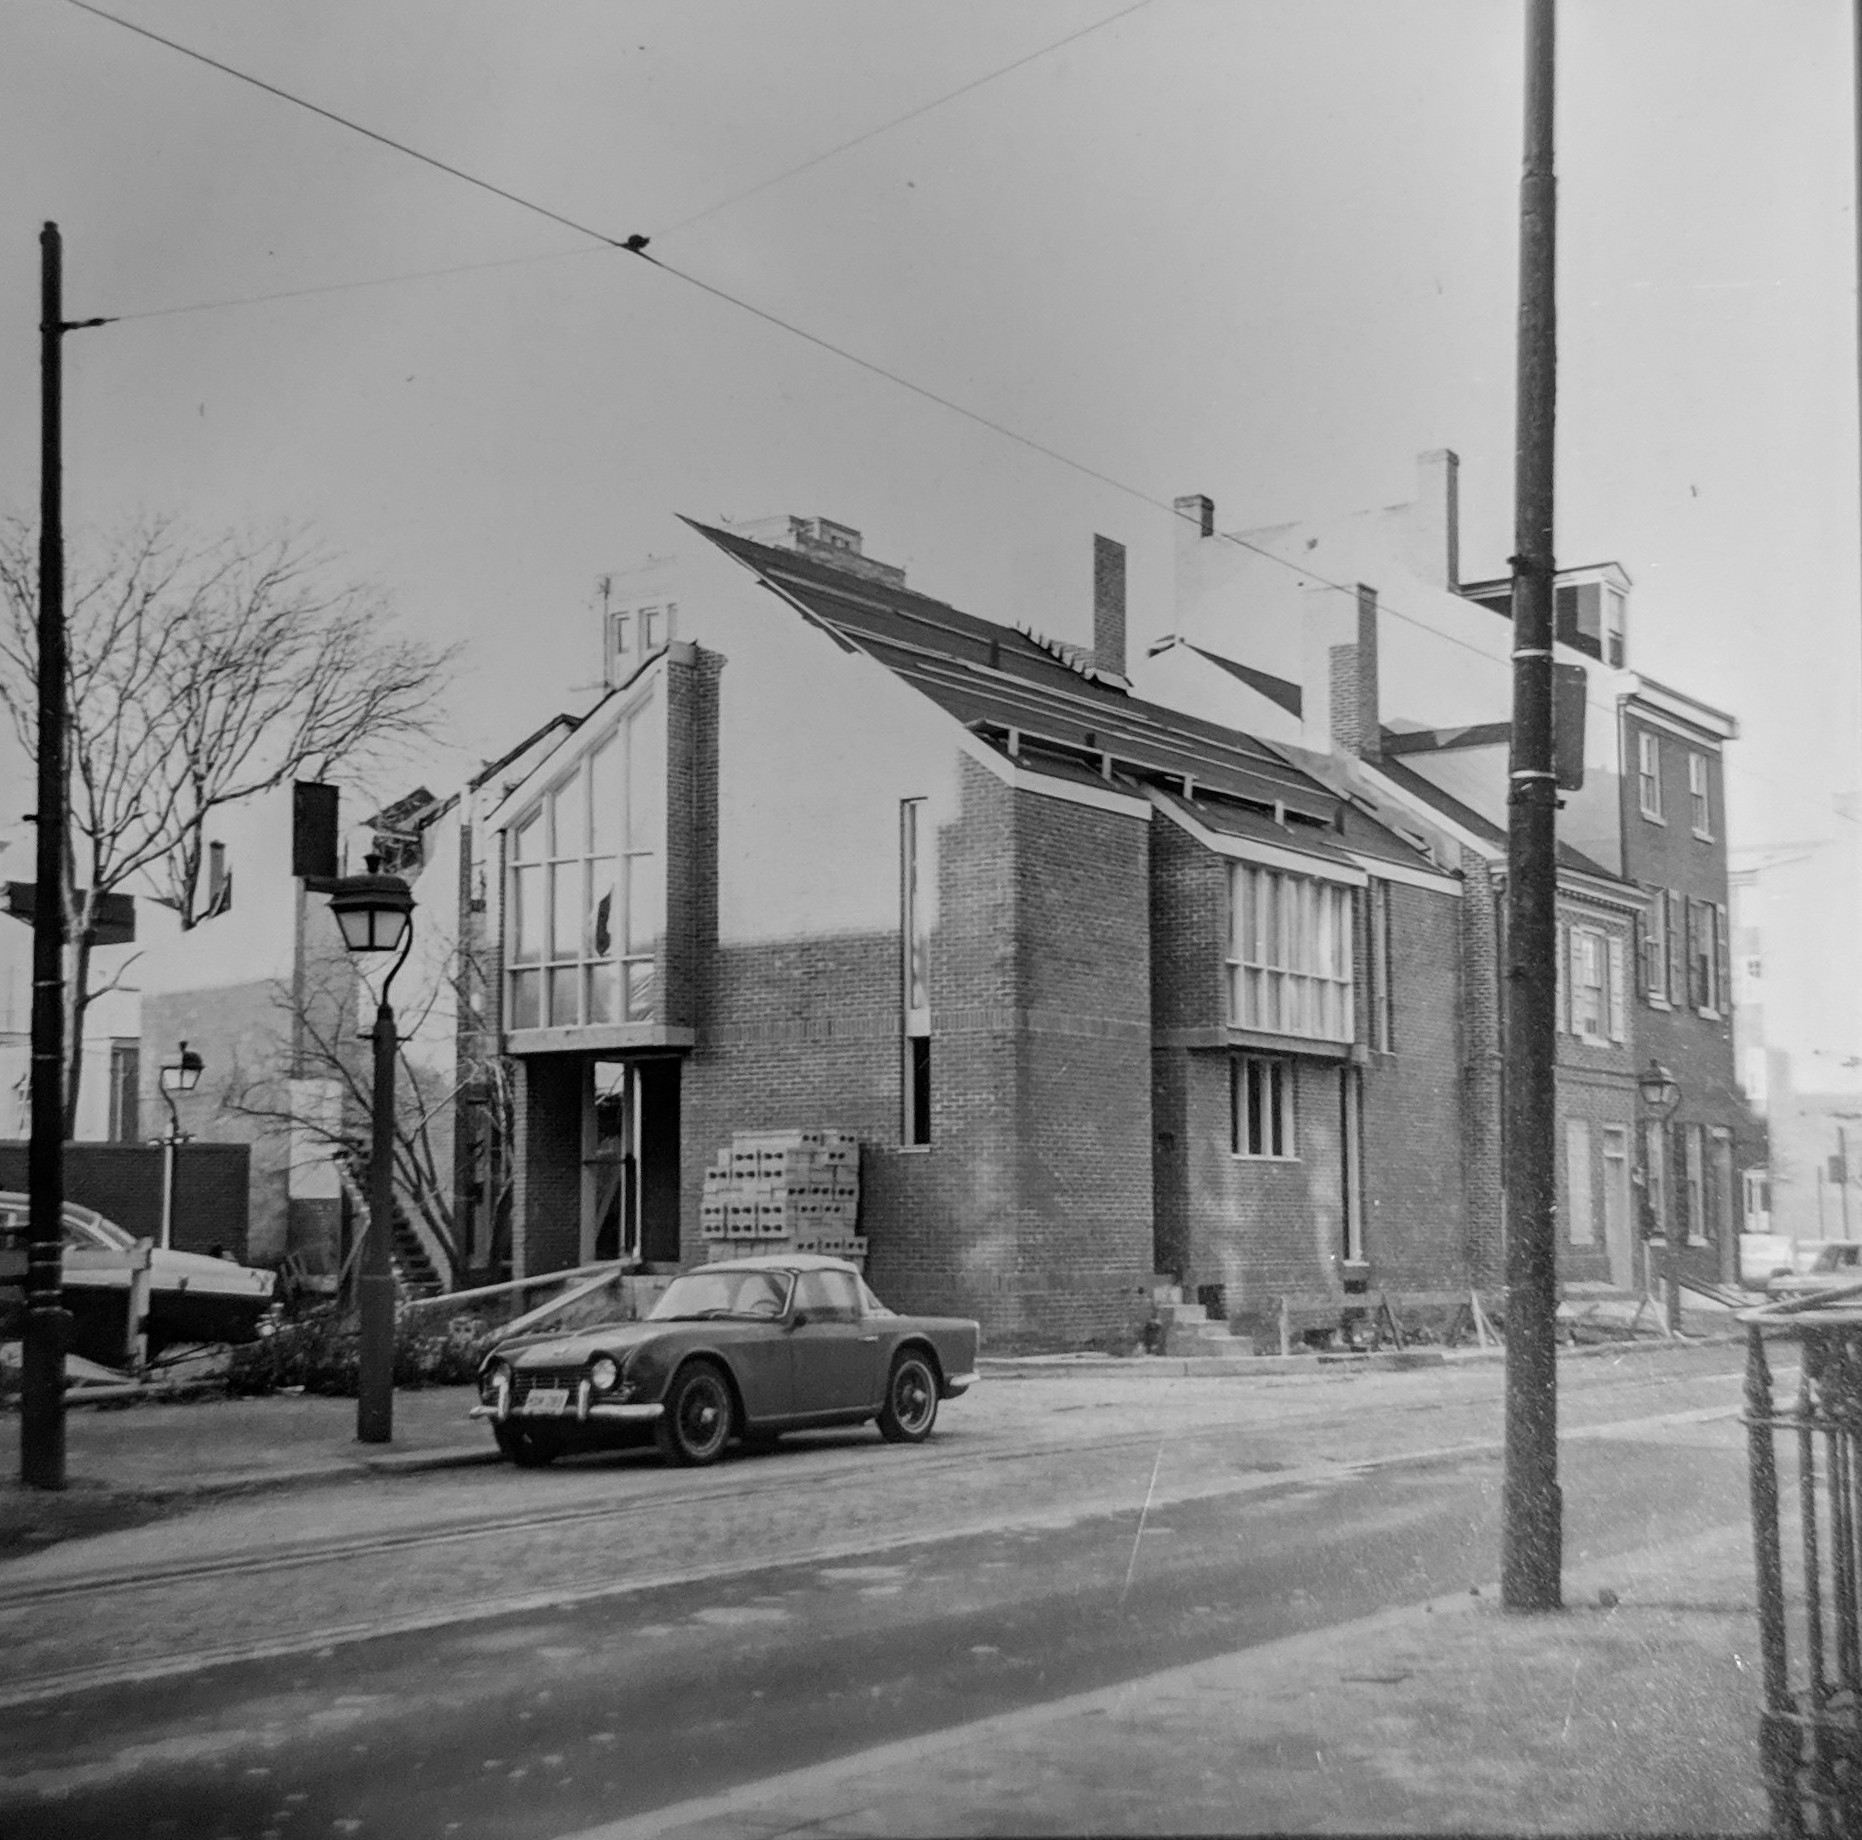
pixel 910 1409
pixel 699 1418
pixel 526 1446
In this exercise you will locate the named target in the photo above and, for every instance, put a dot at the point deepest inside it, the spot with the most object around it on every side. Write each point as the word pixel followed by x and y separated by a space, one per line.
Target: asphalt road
pixel 504 1654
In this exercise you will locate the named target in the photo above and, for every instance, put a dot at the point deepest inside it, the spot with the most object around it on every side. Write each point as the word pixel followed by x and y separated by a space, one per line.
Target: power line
pixel 860 140
pixel 636 245
pixel 710 210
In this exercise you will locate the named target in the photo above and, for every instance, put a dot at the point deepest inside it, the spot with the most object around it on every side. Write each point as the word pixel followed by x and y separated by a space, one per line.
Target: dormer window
pixel 635 634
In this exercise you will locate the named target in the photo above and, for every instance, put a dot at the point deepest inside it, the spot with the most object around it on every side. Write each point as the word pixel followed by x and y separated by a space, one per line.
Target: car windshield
pixel 88 1232
pixel 760 1295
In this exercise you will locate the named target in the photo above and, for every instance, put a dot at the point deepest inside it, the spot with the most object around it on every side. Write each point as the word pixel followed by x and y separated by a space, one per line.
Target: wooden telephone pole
pixel 1532 1542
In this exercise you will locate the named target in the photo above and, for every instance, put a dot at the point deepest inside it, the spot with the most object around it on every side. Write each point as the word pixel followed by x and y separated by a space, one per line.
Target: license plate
pixel 547 1401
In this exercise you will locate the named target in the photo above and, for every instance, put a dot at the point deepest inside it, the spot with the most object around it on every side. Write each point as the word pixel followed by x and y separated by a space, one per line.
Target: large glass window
pixel 1289 954
pixel 588 885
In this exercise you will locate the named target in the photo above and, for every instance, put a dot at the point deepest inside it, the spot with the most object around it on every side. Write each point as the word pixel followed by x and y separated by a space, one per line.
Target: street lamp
pixel 180 1075
pixel 375 913
pixel 1660 1094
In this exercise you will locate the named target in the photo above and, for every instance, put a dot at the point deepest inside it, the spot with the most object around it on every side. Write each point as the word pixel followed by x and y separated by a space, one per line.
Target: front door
pixel 835 1352
pixel 1618 1233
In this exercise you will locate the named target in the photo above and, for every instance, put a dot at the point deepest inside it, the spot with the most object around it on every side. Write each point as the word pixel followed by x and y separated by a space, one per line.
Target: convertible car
pixel 748 1348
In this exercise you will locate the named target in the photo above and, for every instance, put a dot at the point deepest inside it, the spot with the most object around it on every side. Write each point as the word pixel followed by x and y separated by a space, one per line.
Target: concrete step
pixel 1180 1312
pixel 1163 1291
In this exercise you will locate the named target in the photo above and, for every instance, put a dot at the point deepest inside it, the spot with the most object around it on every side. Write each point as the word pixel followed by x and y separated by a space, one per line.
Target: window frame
pixel 1649 774
pixel 1308 919
pixel 1700 795
pixel 1273 1077
pixel 622 832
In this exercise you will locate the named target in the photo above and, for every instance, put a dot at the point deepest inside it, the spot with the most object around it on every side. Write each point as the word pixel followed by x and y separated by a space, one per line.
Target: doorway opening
pixel 630 1161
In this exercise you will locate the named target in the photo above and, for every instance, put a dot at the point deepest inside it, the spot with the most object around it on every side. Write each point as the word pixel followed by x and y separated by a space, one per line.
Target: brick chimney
pixel 1109 605
pixel 1197 509
pixel 1339 709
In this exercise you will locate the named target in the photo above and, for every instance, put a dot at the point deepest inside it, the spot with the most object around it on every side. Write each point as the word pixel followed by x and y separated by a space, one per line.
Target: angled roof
pixel 1427 792
pixel 1020 695
pixel 1275 689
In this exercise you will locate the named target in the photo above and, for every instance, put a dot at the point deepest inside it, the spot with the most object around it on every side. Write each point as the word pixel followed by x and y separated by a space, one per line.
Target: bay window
pixel 587 885
pixel 1289 954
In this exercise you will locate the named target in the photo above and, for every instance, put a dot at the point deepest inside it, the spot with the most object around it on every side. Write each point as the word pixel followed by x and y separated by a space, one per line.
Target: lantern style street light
pixel 376 914
pixel 1659 1093
pixel 180 1075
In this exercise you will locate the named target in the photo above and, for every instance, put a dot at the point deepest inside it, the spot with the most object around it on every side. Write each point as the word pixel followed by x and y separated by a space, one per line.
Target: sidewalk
pixel 131 1463
pixel 1633 1711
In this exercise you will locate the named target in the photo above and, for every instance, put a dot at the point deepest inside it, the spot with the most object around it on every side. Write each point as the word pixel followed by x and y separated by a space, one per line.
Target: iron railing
pixel 1807 1540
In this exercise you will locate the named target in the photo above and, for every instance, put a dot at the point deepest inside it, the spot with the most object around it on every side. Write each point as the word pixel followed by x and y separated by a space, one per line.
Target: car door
pixel 836 1353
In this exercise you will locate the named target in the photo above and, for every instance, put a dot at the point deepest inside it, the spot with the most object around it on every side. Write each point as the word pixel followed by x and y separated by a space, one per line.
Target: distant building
pixel 1358 640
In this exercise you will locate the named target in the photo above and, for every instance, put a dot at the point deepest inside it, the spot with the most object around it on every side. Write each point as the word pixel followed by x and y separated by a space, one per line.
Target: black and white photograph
pixel 930 919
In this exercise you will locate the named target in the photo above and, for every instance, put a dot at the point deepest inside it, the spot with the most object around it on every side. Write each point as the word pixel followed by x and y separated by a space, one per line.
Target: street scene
pixel 935 921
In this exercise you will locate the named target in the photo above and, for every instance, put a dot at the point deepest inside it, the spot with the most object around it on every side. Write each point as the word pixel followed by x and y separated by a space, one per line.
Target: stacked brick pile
pixel 783 1191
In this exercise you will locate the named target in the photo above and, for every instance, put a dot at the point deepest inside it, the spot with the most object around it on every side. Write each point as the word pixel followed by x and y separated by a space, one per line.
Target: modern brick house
pixel 1358 643
pixel 1104 989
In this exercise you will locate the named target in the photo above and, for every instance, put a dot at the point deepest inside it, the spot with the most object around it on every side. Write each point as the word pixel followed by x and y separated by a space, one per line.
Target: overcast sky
pixel 1263 249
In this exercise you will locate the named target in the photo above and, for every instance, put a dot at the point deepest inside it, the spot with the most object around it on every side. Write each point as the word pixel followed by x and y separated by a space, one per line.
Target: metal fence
pixel 1805 1459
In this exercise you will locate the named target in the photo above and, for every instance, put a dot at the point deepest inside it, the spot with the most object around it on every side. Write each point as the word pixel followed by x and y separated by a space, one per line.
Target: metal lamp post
pixel 375 913
pixel 180 1075
pixel 1659 1095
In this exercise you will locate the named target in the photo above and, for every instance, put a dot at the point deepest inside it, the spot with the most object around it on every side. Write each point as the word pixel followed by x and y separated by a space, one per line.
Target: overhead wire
pixel 636 244
pixel 605 243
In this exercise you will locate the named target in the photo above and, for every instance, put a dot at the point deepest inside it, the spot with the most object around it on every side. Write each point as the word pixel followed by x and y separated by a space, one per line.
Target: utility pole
pixel 47 1327
pixel 1533 1537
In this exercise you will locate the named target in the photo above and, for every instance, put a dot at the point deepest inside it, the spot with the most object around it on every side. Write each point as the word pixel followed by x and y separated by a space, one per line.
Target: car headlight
pixel 492 1377
pixel 603 1373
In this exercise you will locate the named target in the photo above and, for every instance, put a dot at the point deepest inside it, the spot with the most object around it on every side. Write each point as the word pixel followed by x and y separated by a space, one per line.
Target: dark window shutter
pixel 1722 962
pixel 1676 954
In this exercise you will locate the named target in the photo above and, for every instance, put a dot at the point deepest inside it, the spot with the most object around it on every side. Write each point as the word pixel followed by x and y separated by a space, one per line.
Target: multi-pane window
pixel 1707 957
pixel 1289 954
pixel 636 633
pixel 1699 796
pixel 1594 980
pixel 1649 775
pixel 1655 947
pixel 588 885
pixel 1260 1091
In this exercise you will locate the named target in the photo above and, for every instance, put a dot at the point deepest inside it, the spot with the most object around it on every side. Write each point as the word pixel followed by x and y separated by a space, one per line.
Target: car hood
pixel 571 1348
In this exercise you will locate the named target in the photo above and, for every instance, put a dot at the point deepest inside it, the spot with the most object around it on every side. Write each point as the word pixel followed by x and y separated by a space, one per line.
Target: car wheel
pixel 911 1400
pixel 527 1447
pixel 699 1415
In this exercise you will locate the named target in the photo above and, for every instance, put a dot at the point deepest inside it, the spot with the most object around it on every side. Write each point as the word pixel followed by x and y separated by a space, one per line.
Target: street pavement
pixel 480 1650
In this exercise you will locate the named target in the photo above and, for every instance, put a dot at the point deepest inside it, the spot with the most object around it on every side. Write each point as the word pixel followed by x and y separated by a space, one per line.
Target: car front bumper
pixel 595 1412
pixel 956 1385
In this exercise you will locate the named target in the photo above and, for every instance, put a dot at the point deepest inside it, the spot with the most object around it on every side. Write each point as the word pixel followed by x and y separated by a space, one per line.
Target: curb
pixel 341 1469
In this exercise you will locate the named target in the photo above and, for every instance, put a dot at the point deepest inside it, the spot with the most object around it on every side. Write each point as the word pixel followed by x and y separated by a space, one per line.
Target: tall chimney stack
pixel 1109 605
pixel 1199 509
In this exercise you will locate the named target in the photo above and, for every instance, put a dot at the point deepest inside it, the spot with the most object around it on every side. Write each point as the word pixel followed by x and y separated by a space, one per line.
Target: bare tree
pixel 318 1040
pixel 202 671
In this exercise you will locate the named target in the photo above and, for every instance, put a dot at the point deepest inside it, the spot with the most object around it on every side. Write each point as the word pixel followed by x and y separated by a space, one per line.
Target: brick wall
pixel 1416 1214
pixel 1481 1137
pixel 546 1205
pixel 1030 1207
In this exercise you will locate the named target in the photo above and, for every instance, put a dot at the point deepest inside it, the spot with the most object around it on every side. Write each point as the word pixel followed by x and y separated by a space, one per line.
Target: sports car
pixel 747 1349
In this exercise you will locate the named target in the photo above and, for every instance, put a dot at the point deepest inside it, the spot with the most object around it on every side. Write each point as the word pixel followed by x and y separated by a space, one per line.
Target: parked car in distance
pixel 1764 1256
pixel 1837 1265
pixel 192 1297
pixel 747 1349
